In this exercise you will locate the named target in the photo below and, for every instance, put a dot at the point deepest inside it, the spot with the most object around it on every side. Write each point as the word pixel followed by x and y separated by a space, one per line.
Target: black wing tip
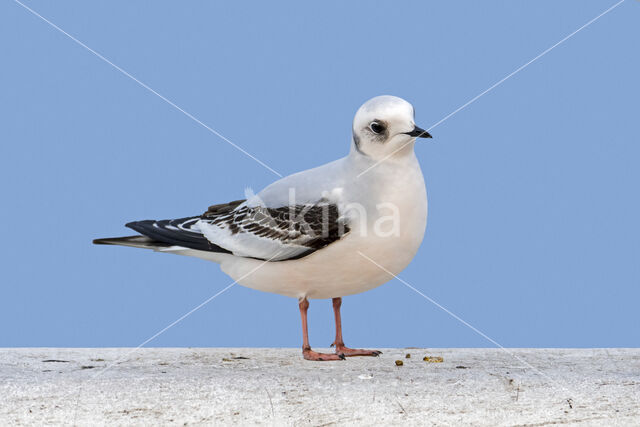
pixel 170 233
pixel 136 225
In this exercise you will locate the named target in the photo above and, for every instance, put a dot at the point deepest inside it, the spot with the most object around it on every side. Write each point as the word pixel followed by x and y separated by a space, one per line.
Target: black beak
pixel 419 133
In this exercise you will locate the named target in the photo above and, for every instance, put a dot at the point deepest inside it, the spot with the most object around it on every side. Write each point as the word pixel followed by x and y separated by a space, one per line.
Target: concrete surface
pixel 275 386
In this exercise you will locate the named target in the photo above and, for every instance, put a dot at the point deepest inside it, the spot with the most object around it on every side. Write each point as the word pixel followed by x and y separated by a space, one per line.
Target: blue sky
pixel 533 233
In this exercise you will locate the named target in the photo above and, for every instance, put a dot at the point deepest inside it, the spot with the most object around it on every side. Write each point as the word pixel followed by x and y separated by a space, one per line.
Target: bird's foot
pixel 309 354
pixel 348 352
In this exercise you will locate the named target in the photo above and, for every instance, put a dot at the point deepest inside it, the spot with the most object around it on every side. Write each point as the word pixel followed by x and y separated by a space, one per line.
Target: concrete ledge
pixel 275 386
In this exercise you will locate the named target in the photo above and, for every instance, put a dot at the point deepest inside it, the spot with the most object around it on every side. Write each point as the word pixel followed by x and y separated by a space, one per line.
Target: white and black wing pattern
pixel 274 233
pixel 182 232
pixel 268 233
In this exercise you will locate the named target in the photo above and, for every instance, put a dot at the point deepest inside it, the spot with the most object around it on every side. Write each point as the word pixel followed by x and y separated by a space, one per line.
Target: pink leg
pixel 307 353
pixel 339 343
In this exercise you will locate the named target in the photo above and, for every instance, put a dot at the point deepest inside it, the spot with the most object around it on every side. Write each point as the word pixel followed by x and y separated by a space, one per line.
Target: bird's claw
pixel 349 352
pixel 309 354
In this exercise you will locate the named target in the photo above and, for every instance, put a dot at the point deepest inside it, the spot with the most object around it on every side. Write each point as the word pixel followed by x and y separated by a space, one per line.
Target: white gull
pixel 305 235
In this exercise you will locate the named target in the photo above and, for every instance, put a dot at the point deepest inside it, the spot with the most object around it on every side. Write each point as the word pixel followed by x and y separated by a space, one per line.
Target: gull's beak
pixel 419 133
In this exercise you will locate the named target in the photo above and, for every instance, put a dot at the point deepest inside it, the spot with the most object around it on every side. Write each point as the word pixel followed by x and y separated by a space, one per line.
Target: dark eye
pixel 376 127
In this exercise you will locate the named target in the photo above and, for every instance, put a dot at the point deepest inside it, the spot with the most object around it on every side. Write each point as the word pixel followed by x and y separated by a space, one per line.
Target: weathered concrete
pixel 275 386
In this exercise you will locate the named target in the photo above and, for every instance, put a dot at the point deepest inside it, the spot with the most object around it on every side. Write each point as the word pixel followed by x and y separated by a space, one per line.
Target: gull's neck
pixel 404 156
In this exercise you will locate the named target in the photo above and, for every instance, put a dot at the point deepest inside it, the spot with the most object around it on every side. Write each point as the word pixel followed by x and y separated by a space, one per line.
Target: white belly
pixel 342 268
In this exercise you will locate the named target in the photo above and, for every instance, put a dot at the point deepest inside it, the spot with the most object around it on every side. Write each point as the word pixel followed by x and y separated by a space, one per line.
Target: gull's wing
pixel 269 233
pixel 267 226
pixel 274 233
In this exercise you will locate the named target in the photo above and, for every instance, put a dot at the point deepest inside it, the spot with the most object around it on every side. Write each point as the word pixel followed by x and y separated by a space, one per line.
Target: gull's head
pixel 385 126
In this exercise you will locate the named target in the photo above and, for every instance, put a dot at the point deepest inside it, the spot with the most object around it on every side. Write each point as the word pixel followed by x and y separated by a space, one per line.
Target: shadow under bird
pixel 328 232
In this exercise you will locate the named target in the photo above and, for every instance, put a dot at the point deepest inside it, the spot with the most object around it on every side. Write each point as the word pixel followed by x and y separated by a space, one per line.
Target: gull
pixel 308 235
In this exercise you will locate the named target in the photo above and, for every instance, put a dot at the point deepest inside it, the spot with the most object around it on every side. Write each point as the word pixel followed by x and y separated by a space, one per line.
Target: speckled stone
pixel 276 386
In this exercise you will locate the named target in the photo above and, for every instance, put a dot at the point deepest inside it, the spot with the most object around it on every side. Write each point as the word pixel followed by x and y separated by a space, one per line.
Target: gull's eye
pixel 376 127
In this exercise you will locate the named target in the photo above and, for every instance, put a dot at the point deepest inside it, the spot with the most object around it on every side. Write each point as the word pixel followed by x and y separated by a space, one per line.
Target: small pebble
pixel 433 359
pixel 408 356
pixel 399 363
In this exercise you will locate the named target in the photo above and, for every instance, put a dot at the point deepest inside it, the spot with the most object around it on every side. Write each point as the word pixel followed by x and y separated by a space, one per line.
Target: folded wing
pixel 268 233
pixel 274 233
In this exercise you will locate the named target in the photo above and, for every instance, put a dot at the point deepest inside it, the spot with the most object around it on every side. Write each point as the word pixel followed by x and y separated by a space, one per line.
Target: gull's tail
pixel 133 241
pixel 179 236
